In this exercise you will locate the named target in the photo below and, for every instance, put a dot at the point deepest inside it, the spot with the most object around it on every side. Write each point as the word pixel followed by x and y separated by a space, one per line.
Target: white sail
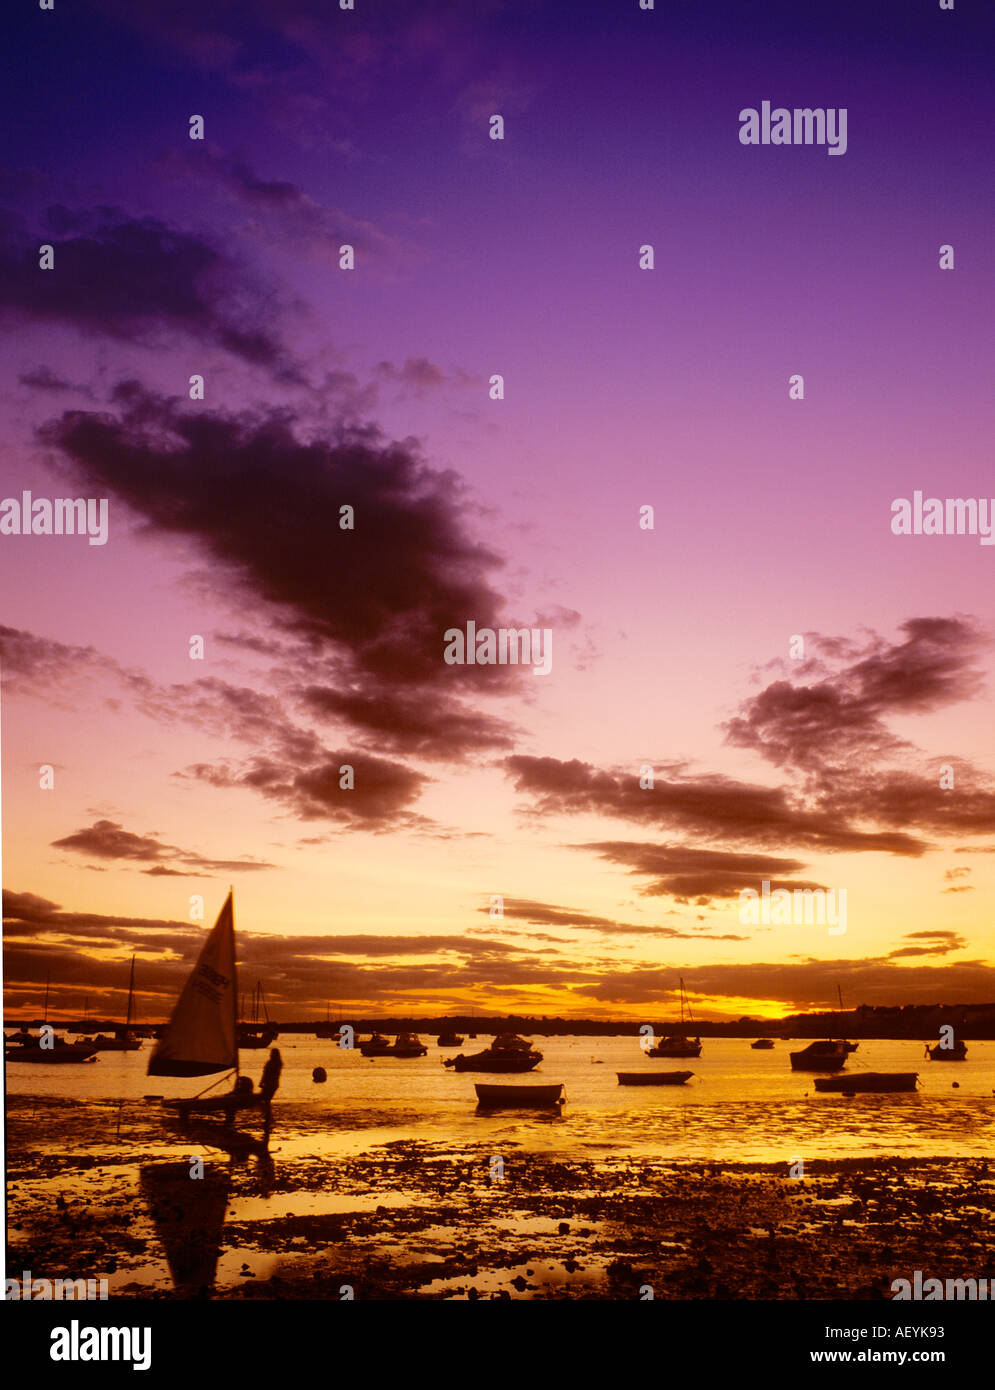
pixel 201 1034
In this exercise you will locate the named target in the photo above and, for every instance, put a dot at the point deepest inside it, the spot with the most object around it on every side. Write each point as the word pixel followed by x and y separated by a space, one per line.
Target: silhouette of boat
pixel 259 1032
pixel 678 1044
pixel 956 1052
pixel 376 1046
pixel 653 1078
pixel 408 1045
pixel 328 1029
pixel 868 1081
pixel 449 1039
pixel 60 1053
pixel 202 1035
pixel 122 1039
pixel 825 1055
pixel 507 1053
pixel 762 1045
pixel 493 1097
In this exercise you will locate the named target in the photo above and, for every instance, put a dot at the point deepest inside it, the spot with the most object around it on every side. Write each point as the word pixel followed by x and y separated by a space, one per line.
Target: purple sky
pixel 623 387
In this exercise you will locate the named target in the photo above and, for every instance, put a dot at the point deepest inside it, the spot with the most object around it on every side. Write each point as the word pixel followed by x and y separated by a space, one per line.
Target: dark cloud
pixel 548 914
pixel 44 379
pixel 263 505
pixel 380 795
pixel 86 953
pixel 405 723
pixel 711 806
pixel 685 873
pixel 132 279
pixel 841 718
pixel 808 984
pixel 106 839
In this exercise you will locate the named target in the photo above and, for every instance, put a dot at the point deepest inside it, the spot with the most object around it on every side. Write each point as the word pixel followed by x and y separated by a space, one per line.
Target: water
pixel 740 1105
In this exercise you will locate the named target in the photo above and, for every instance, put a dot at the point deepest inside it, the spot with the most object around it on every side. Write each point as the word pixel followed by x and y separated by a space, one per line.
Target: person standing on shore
pixel 268 1083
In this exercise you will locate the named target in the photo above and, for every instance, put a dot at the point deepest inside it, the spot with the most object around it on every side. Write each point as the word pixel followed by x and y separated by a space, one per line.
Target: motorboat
pixel 507 1053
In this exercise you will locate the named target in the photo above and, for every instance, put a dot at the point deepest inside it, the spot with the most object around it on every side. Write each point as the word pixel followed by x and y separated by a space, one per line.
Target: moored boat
pixel 449 1039
pixel 956 1052
pixel 762 1045
pixel 824 1055
pixel 376 1046
pixel 122 1039
pixel 408 1045
pixel 653 1078
pixel 492 1097
pixel 678 1044
pixel 507 1053
pixel 868 1081
pixel 59 1053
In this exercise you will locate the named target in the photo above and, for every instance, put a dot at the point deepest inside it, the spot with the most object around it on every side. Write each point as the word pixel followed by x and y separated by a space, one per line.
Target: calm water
pixel 740 1105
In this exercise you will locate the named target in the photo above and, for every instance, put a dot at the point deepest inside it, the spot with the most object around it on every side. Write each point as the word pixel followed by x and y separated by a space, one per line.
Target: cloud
pixel 379 797
pixel 710 806
pixel 802 985
pixel 44 379
pixel 406 723
pixel 840 719
pixel 701 874
pixel 106 839
pixel 263 505
pixel 41 665
pixel 134 279
pixel 290 218
pixel 547 914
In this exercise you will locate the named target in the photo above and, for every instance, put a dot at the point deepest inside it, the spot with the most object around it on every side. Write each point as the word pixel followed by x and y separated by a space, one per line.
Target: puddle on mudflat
pixel 522 1280
pixel 281 1204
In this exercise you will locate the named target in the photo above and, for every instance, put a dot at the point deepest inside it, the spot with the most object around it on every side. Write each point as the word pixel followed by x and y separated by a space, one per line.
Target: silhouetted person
pixel 268 1083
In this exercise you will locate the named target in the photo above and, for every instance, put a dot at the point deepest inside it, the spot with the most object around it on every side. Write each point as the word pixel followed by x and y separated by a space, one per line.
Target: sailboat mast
pixel 234 982
pixel 48 976
pixel 131 991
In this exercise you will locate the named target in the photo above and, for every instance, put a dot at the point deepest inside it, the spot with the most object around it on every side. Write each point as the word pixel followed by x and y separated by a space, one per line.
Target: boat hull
pixel 55 1057
pixel 949 1054
pixel 653 1078
pixel 868 1081
pixel 675 1048
pixel 506 1064
pixel 762 1045
pixel 820 1056
pixel 492 1097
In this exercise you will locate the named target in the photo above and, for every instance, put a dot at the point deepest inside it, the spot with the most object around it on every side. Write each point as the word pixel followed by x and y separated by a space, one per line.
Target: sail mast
pixel 234 980
pixel 131 991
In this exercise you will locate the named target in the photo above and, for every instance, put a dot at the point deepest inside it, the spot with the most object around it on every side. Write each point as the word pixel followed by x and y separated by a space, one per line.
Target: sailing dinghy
pixel 201 1036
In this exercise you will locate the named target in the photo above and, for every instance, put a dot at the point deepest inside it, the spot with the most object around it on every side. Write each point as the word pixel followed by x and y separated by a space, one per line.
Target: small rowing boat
pixel 868 1081
pixel 494 1097
pixel 653 1078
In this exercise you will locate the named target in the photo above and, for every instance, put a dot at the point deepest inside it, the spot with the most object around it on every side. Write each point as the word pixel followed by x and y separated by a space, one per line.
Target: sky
pixel 809 693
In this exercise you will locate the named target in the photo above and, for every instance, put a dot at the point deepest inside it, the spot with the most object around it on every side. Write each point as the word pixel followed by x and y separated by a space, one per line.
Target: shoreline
pixel 414 1219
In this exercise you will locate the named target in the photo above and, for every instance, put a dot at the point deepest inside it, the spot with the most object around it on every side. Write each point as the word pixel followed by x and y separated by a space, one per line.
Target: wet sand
pixel 102 1190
